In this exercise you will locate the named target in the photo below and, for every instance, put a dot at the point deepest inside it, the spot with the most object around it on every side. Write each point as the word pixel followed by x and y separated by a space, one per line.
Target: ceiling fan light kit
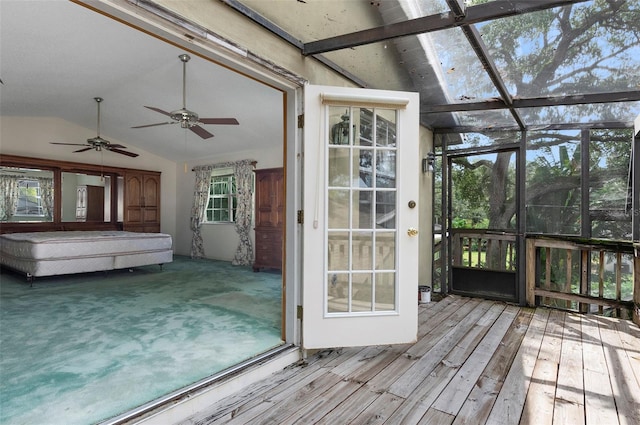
pixel 186 118
pixel 98 143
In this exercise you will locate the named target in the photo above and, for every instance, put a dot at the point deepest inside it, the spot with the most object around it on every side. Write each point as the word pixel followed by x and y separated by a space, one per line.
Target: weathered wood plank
pixel 507 408
pixel 454 314
pixel 482 362
pixel 436 417
pixel 422 398
pixel 350 408
pixel 453 397
pixel 626 390
pixel 569 398
pixel 599 404
pixel 379 411
pixel 254 394
pixel 320 405
pixel 477 406
pixel 538 405
pixel 257 406
pixel 630 337
pixel 423 366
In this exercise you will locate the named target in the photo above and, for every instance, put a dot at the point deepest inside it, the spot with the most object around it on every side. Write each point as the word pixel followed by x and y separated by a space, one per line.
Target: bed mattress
pixel 52 253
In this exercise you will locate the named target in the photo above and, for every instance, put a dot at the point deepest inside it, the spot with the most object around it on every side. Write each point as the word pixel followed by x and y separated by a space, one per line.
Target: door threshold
pixel 187 401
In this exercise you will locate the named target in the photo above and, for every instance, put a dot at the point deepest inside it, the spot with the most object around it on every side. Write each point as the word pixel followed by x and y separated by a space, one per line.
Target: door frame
pixel 519 149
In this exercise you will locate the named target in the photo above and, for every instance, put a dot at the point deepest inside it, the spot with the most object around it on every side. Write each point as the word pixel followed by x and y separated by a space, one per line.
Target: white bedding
pixel 52 253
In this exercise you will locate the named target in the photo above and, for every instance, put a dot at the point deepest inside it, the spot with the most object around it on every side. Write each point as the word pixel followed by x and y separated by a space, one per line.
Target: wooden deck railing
pixel 483 249
pixel 583 275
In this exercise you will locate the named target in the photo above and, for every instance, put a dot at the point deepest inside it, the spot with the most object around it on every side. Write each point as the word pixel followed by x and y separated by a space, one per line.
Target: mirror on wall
pixel 38 194
pixel 86 197
pixel 26 195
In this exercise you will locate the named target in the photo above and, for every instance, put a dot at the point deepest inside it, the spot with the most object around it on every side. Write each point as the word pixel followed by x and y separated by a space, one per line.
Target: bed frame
pixel 66 252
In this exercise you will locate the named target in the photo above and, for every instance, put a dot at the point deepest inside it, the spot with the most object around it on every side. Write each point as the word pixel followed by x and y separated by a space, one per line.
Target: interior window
pixel 29 199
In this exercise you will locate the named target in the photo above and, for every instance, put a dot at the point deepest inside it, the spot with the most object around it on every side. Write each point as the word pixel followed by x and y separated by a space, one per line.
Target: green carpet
pixel 79 349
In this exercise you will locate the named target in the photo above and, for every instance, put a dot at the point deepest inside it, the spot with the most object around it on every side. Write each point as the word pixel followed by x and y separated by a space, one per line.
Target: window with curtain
pixel 222 203
pixel 29 199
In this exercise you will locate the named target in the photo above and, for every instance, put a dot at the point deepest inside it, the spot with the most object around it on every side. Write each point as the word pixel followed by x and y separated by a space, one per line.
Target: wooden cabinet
pixel 142 201
pixel 90 203
pixel 269 216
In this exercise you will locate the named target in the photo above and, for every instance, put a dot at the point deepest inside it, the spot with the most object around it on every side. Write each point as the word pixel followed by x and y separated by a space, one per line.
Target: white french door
pixel 361 172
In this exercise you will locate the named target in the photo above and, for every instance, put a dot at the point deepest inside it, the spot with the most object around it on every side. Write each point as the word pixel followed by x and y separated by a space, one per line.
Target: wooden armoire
pixel 269 216
pixel 142 201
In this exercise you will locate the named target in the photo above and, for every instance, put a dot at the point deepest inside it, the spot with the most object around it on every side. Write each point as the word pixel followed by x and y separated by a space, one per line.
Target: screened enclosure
pixel 532 106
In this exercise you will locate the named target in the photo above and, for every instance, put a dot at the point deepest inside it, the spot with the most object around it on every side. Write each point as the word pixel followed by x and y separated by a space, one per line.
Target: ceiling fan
pixel 98 143
pixel 186 118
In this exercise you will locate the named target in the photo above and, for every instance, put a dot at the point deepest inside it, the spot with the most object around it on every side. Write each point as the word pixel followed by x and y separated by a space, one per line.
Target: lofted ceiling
pixel 57 56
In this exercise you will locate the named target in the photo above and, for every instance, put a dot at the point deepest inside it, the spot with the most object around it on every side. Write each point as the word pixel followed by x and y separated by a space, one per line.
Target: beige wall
pixel 220 240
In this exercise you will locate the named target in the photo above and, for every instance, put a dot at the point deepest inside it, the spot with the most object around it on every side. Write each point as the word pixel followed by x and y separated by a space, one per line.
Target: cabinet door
pixel 133 198
pixel 151 199
pixel 269 198
pixel 142 202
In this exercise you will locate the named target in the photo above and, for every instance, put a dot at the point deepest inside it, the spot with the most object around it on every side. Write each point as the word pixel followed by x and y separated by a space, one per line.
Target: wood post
pixel 636 285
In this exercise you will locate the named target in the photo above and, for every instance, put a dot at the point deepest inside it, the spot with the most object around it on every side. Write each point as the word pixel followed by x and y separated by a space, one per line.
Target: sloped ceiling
pixel 57 56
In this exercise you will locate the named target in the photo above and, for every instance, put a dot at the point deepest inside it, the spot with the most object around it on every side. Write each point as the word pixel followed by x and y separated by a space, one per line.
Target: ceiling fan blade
pixel 115 145
pixel 153 125
pixel 84 150
pixel 131 154
pixel 69 144
pixel 220 121
pixel 201 132
pixel 158 110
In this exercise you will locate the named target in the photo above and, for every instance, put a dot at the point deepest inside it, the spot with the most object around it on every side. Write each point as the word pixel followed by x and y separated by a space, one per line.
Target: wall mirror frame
pixel 63 197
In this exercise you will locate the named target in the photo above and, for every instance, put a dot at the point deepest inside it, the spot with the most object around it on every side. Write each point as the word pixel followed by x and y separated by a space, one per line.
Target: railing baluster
pixel 618 280
pixel 601 281
pixel 567 284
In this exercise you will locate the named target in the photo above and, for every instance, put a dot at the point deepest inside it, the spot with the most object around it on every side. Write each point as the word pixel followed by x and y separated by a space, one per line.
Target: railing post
pixel 584 278
pixel 636 285
pixel 531 272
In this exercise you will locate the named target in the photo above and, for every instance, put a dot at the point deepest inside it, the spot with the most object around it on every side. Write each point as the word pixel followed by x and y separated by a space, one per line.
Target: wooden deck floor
pixel 475 362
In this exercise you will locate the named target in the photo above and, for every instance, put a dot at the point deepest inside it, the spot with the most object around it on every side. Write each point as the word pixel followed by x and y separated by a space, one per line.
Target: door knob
pixel 412 231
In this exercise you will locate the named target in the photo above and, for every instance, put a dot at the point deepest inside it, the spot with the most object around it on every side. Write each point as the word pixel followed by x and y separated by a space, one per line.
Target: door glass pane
pixel 338 258
pixel 386 209
pixel 362 251
pixel 338 207
pixel 361 210
pixel 385 252
pixel 338 293
pixel 385 293
pixel 362 293
pixel 339 168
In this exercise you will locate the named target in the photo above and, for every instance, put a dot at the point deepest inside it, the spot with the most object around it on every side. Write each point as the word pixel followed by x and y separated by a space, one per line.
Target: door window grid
pixel 361 211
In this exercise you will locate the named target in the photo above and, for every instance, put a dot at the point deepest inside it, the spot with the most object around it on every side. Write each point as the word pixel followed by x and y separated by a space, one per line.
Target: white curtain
pixel 198 210
pixel 8 196
pixel 46 196
pixel 242 171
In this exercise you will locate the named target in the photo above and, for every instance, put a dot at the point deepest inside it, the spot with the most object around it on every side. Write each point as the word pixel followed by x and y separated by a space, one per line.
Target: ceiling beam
pixel 473 15
pixel 535 102
pixel 600 125
pixel 481 51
